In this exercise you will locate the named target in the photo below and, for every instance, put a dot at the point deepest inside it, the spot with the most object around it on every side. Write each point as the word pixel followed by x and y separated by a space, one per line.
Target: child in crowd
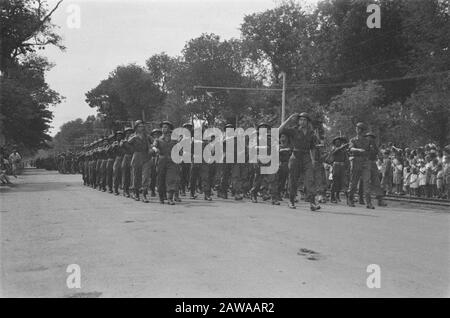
pixel 406 177
pixel 414 182
pixel 397 175
pixel 422 179
pixel 440 181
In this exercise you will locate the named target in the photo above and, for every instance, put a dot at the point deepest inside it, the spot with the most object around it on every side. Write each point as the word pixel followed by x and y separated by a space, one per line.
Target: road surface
pixel 221 248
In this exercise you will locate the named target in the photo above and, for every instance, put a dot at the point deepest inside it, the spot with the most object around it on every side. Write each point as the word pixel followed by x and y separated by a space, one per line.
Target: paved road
pixel 212 249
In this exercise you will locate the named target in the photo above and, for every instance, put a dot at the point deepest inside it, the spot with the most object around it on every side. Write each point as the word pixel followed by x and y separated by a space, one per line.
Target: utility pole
pixel 283 97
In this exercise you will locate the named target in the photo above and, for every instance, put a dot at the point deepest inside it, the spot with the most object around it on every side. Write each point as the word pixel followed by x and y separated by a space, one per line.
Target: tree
pixel 25 26
pixel 358 104
pixel 430 110
pixel 25 97
pixel 127 94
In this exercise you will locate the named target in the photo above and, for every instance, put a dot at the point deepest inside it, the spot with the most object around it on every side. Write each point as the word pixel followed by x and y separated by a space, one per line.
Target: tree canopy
pixel 25 97
pixel 395 77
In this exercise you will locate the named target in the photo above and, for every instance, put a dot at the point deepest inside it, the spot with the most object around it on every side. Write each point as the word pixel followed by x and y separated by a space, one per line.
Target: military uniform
pixel 168 174
pixel 140 164
pixel 300 163
pixel 285 153
pixel 359 167
pixel 118 157
pixel 155 134
pixel 339 160
pixel 374 179
pixel 125 166
pixel 268 181
pixel 110 155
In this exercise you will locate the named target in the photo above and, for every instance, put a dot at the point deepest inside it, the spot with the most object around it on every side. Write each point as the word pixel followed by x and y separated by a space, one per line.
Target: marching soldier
pixel 125 166
pixel 110 155
pixel 339 160
pixel 319 173
pixel 168 176
pixel 194 174
pixel 226 168
pixel 374 179
pixel 155 134
pixel 283 172
pixel 139 161
pixel 207 173
pixel 359 165
pixel 99 164
pixel 241 173
pixel 268 180
pixel 302 159
pixel 185 167
pixel 118 153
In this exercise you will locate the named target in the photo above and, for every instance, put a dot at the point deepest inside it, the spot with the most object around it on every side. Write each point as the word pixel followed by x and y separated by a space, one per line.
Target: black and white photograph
pixel 225 154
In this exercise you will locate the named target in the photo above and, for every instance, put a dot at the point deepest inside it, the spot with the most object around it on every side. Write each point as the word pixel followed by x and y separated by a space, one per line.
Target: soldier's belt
pixel 297 152
pixel 339 163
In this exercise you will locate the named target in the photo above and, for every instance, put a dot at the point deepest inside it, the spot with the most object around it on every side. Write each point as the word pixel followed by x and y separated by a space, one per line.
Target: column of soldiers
pixel 139 164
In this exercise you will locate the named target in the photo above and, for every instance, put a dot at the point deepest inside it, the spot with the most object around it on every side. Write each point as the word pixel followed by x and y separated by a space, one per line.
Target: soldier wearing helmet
pixel 168 176
pixel 359 147
pixel 118 157
pixel 140 162
pixel 125 166
pixel 302 160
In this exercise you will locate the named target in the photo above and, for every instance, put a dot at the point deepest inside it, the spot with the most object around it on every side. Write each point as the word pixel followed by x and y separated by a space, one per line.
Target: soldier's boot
pixel 291 204
pixel 238 196
pixel 350 201
pixel 193 195
pixel 333 197
pixel 177 197
pixel 153 193
pixel 116 192
pixel 183 192
pixel 144 196
pixel 275 200
pixel 361 200
pixel 161 198
pixel 312 203
pixel 369 204
pixel 127 193
pixel 170 198
pixel 136 195
pixel 381 202
pixel 338 197
pixel 254 196
pixel 208 196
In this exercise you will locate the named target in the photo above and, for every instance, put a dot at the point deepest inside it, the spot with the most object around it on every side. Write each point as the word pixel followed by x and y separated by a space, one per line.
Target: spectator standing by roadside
pixel 14 159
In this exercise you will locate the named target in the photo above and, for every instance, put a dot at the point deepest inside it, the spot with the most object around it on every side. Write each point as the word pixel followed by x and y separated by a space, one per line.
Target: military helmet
pixel 156 131
pixel 341 138
pixel 361 125
pixel 188 125
pixel 138 123
pixel 166 122
pixel 229 126
pixel 304 115
pixel 370 134
pixel 119 132
pixel 128 129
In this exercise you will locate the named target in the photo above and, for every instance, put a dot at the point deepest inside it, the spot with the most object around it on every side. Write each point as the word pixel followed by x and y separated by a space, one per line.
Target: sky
pixel 119 32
